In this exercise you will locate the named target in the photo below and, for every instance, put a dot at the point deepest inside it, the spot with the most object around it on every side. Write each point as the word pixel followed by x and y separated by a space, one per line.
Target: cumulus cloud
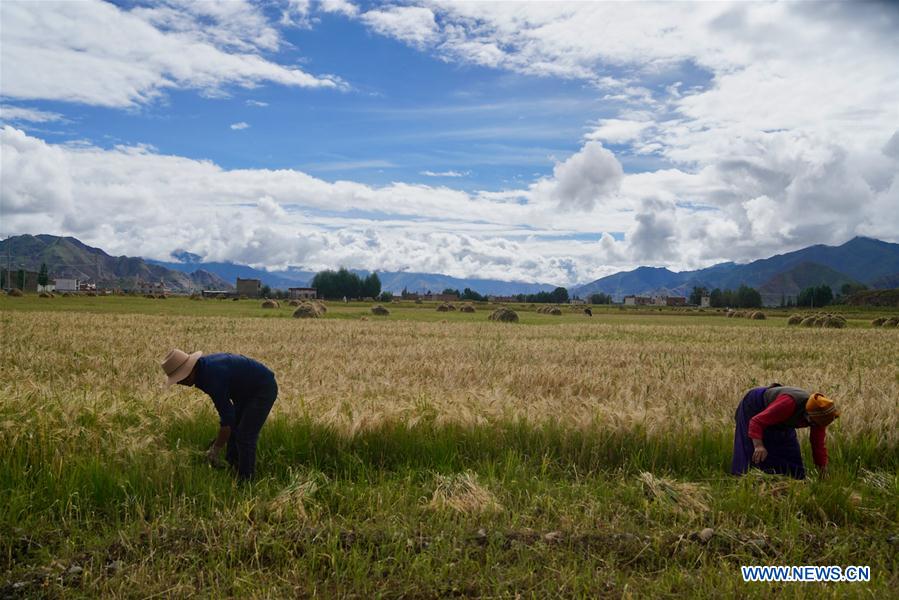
pixel 96 53
pixel 582 180
pixel 239 126
pixel 343 7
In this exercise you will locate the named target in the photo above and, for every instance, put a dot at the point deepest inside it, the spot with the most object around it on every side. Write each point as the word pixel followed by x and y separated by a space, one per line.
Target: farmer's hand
pixel 760 453
pixel 214 457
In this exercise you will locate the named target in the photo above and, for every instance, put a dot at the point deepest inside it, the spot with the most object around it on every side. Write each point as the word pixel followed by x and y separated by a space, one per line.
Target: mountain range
pixel 67 257
pixel 860 260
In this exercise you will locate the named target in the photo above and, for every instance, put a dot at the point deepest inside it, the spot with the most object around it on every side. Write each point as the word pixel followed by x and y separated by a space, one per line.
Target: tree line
pixel 343 283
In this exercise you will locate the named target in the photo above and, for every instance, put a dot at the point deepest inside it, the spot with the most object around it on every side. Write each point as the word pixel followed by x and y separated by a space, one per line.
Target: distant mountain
pixel 391 281
pixel 872 262
pixel 68 257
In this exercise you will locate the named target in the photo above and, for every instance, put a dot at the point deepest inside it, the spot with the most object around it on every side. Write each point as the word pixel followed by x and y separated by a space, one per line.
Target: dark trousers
pixel 249 418
pixel 784 456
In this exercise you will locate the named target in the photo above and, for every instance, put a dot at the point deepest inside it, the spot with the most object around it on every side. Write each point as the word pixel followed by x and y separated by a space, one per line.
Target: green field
pixel 428 454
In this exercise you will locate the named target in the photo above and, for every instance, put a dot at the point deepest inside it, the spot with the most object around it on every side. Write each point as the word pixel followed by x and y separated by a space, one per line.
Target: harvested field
pixel 464 457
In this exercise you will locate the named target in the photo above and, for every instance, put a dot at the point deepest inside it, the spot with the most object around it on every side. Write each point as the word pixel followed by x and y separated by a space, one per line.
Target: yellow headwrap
pixel 821 409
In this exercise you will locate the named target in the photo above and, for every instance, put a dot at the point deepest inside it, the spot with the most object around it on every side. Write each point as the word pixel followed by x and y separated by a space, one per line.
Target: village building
pixel 301 293
pixel 637 300
pixel 66 285
pixel 250 288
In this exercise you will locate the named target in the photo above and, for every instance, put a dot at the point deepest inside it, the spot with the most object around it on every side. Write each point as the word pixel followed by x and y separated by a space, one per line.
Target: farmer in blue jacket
pixel 243 392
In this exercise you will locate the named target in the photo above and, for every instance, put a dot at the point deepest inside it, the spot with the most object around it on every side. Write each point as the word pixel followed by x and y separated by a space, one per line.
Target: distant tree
pixel 371 286
pixel 43 277
pixel 748 297
pixel 470 294
pixel 816 296
pixel 386 297
pixel 450 292
pixel 559 295
pixel 266 291
pixel 696 295
pixel 600 298
pixel 716 298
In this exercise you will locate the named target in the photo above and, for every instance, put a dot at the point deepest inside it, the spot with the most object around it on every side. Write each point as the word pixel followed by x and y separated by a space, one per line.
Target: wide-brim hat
pixel 821 409
pixel 178 364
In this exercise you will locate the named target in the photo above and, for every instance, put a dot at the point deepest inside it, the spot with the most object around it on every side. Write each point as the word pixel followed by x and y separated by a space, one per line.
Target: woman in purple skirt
pixel 765 433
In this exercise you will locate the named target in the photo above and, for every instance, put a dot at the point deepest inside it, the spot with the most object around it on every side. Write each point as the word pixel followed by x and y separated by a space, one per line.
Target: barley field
pixel 427 454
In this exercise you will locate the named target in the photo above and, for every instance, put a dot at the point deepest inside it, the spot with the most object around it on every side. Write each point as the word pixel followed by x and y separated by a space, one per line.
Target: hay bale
pixel 379 310
pixel 294 303
pixel 685 497
pixel 45 295
pixel 834 322
pixel 270 304
pixel 320 306
pixel 504 315
pixel 588 312
pixel 306 311
pixel 757 315
pixel 794 320
pixel 443 307
pixel 467 308
pixel 891 322
pixel 878 321
pixel 556 311
pixel 808 322
pixel 463 493
pixel 66 294
pixel 820 320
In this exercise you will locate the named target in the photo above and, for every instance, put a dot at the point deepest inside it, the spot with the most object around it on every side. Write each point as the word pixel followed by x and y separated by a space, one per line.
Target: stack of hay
pixel 555 310
pixel 756 315
pixel 794 320
pixel 505 315
pixel 468 307
pixel 379 310
pixel 306 310
pixel 322 309
pixel 270 304
pixel 294 303
pixel 891 322
pixel 818 320
pixel 445 307
pixel 45 295
pixel 16 293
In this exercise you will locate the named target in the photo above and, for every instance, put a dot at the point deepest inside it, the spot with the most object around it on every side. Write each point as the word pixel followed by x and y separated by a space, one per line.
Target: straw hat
pixel 821 409
pixel 178 365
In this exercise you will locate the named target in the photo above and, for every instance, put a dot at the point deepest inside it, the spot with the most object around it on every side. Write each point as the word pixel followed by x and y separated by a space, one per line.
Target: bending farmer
pixel 243 392
pixel 766 423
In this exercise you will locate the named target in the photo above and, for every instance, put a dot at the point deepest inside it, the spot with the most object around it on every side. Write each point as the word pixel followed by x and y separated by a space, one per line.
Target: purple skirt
pixel 784 456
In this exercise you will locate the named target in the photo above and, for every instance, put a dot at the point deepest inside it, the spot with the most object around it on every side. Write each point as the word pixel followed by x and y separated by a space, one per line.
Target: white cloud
pixel 412 24
pixel 93 52
pixel 239 126
pixel 15 114
pixel 450 173
pixel 256 103
pixel 617 131
pixel 343 7
pixel 578 183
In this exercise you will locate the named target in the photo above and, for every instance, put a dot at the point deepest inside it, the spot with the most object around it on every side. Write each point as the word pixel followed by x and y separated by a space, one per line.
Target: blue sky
pixel 543 142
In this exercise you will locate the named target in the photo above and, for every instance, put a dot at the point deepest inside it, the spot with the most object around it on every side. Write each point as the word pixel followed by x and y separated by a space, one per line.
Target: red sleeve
pixel 816 436
pixel 777 412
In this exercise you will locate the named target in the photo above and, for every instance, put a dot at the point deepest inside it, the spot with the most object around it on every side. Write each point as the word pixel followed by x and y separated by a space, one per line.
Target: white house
pixel 66 285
